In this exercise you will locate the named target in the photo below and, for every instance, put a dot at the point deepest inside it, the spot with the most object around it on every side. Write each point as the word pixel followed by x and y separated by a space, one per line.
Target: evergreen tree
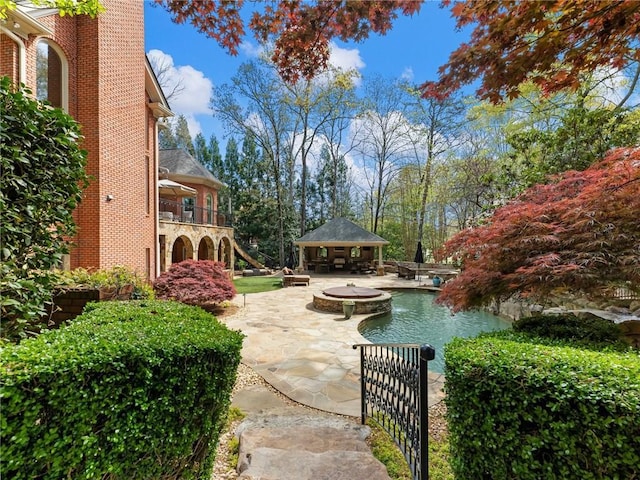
pixel 217 165
pixel 182 135
pixel 203 154
pixel 166 139
pixel 230 167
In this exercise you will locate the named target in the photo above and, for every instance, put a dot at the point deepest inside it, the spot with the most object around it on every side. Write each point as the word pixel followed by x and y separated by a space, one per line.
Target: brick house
pixel 97 71
pixel 192 226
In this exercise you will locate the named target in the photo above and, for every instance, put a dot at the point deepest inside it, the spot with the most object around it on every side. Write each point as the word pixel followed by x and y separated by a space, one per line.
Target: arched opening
pixel 52 74
pixel 224 252
pixel 182 250
pixel 205 249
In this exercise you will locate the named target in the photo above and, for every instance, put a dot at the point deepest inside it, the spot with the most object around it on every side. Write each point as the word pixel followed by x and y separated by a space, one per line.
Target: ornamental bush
pixel 43 176
pixel 129 390
pixel 195 282
pixel 528 411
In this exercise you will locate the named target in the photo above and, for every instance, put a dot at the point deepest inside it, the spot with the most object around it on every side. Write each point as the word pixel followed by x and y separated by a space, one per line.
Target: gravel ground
pixel 246 377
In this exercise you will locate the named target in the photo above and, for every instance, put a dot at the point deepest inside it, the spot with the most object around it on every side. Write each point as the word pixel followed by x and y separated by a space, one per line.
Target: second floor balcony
pixel 172 211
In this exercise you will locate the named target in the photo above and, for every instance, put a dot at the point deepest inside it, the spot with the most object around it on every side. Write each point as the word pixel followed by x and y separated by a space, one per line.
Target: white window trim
pixel 64 71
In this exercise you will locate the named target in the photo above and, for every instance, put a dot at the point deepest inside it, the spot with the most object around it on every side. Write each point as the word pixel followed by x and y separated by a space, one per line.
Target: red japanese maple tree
pixel 195 282
pixel 578 233
pixel 301 30
pixel 550 42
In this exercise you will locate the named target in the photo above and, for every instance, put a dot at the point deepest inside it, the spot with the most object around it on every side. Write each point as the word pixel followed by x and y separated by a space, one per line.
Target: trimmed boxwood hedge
pixel 129 390
pixel 523 411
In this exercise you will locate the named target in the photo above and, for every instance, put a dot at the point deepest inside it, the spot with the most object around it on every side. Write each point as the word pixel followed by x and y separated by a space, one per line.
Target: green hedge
pixel 529 411
pixel 589 332
pixel 129 390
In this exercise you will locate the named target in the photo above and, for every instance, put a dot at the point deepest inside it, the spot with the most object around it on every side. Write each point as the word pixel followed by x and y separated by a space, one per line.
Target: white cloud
pixel 407 74
pixel 345 59
pixel 193 89
pixel 251 50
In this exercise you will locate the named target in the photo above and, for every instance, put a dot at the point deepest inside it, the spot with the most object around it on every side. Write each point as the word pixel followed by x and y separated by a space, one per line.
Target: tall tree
pixel 166 138
pixel 314 105
pixel 182 135
pixel 581 230
pixel 341 101
pixel 268 121
pixel 202 152
pixel 217 165
pixel 437 124
pixel 384 140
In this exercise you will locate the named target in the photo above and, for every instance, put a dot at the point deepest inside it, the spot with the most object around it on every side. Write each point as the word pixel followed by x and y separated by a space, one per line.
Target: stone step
pixel 305 446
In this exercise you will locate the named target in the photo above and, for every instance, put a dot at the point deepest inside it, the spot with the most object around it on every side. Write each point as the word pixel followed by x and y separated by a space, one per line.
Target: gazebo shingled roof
pixel 339 232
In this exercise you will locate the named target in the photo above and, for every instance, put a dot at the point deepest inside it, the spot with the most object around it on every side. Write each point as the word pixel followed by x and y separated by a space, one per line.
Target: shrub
pixel 117 278
pixel 529 411
pixel 195 282
pixel 130 390
pixel 43 175
pixel 590 330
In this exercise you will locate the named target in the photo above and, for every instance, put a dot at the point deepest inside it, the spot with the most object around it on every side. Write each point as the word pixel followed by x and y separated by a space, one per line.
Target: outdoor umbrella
pixel 419 258
pixel 169 187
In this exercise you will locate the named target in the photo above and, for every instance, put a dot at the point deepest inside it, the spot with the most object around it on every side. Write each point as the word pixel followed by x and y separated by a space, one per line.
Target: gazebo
pixel 339 244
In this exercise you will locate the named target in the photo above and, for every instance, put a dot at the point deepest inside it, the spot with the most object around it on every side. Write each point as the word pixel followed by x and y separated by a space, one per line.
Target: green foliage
pixel 384 449
pixel 531 411
pixel 130 390
pixel 116 278
pixel 590 330
pixel 43 175
pixel 439 460
pixel 65 7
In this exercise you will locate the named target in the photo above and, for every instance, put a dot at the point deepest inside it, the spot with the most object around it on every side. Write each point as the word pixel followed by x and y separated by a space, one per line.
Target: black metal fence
pixel 394 394
pixel 180 212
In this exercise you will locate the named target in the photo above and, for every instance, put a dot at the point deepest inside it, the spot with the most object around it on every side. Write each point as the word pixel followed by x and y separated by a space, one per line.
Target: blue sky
pixel 413 49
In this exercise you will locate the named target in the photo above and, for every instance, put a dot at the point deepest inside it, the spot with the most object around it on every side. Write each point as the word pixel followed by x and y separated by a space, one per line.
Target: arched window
pixel 209 209
pixel 52 74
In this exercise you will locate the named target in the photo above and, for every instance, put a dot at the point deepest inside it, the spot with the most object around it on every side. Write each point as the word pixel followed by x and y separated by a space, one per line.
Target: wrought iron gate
pixel 394 394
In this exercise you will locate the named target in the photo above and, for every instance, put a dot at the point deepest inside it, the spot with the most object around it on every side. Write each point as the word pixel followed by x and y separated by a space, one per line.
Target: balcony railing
pixel 172 211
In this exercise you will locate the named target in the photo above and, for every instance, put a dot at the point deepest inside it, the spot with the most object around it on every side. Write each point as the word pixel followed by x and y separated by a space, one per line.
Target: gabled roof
pixel 340 231
pixel 158 101
pixel 183 167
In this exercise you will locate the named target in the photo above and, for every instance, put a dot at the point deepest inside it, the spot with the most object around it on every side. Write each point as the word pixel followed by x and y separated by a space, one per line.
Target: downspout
pixel 22 54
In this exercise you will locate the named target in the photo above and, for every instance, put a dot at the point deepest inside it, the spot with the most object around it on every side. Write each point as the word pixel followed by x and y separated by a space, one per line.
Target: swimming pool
pixel 415 318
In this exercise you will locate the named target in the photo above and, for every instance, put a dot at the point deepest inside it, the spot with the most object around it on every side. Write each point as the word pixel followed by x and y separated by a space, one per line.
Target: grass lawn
pixel 257 284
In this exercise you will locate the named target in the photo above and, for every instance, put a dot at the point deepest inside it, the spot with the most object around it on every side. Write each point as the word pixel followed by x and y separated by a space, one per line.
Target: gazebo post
pixel 300 259
pixel 380 269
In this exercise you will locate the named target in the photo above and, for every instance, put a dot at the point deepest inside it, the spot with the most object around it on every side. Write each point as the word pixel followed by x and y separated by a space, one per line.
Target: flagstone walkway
pixel 307 354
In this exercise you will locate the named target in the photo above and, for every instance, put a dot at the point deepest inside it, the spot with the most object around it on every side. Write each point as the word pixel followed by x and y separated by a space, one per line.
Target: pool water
pixel 415 318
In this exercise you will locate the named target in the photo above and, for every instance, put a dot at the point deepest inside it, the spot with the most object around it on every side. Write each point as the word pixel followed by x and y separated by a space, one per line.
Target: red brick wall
pixel 9 58
pixel 107 97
